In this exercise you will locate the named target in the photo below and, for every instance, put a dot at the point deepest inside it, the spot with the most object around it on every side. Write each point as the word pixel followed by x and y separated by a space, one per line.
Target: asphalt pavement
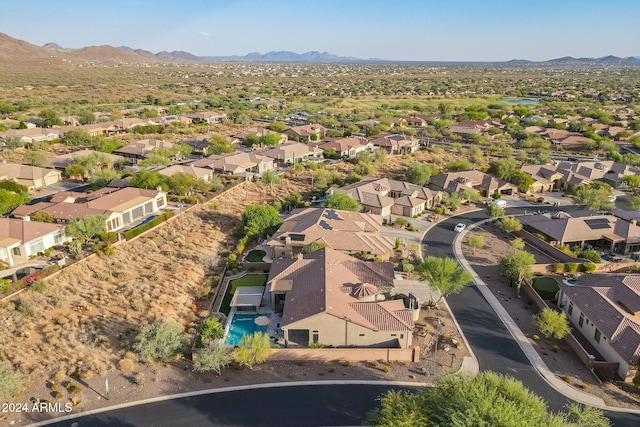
pixel 493 344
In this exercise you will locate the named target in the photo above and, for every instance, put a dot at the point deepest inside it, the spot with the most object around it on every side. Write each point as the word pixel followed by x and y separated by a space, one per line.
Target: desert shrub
pixel 387 369
pixel 571 267
pixel 11 381
pixel 5 286
pixel 76 389
pixel 58 395
pixel 567 379
pixel 38 286
pixel 542 237
pixel 588 267
pixel 75 247
pixel 130 234
pixel 315 345
pixel 211 329
pixel 192 200
pixel 536 337
pixel 54 386
pixel 558 268
pixel 253 349
pixel 556 349
pixel 566 250
pixel 25 307
pixel 160 340
pixel 590 254
pixel 108 237
pixel 140 379
pixel 401 222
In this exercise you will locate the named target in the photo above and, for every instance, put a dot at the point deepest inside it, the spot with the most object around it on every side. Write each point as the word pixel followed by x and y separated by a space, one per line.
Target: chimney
pixel 634 222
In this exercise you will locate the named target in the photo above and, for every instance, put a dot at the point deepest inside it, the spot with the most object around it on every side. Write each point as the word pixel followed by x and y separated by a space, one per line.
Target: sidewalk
pixel 536 361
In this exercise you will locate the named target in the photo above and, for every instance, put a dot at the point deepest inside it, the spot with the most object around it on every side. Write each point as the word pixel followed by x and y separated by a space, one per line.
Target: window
pixel 361 335
pixel 570 309
pixel 37 246
pixel 16 251
pixel 597 335
pixel 160 202
pixel 315 337
pixel 581 320
pixel 57 238
pixel 148 207
pixel 137 213
pixel 394 335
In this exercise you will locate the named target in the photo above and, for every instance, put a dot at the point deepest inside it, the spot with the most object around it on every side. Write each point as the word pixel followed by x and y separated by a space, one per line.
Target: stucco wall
pixel 350 354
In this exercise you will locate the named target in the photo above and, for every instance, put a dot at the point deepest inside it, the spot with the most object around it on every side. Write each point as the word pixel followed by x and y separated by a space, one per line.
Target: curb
pixel 226 390
pixel 522 341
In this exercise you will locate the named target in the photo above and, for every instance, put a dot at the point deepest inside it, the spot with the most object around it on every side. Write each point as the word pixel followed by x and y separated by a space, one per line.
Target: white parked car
pixel 459 227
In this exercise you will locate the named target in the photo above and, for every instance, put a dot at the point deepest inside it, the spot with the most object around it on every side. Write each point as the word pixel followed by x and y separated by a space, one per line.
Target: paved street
pixel 492 343
pixel 295 406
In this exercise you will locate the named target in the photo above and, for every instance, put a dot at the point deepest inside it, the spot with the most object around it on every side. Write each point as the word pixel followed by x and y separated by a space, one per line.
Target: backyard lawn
pixel 248 280
pixel 546 287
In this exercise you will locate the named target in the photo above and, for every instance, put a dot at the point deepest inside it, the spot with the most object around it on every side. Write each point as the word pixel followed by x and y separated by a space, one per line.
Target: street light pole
pixel 435 356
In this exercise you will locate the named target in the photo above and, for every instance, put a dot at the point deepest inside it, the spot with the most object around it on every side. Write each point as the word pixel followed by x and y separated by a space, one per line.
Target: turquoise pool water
pixel 243 324
pixel 521 101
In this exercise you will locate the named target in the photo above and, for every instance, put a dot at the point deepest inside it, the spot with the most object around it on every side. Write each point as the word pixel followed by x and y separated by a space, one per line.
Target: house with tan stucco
pixel 330 298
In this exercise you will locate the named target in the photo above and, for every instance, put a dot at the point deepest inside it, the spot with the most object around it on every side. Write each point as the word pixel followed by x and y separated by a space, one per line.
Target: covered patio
pixel 247 299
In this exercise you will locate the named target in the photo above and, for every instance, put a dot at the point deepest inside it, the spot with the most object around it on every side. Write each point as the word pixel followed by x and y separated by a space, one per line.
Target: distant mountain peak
pixel 52 45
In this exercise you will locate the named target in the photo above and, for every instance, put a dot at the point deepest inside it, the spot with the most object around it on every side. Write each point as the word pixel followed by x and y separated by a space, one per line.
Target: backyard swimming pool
pixel 243 324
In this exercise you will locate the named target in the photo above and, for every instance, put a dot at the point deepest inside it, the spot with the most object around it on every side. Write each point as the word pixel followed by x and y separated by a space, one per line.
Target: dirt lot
pixel 563 362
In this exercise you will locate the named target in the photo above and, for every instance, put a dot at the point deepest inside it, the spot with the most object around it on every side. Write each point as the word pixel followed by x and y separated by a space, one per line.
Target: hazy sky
pixel 426 30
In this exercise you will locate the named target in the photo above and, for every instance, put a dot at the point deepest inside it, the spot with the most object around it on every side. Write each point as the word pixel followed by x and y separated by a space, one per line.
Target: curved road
pixel 295 406
pixel 492 343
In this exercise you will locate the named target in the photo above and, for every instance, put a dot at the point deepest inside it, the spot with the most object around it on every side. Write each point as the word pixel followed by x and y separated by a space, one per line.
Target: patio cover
pixel 247 296
pixel 613 237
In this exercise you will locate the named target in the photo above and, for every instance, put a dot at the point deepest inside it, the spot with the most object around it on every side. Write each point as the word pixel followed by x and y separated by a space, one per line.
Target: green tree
pixel 270 139
pixel 86 227
pixel 211 329
pixel 75 171
pixel 419 174
pixel 494 210
pixel 12 382
pixel 517 266
pixel 213 358
pixel 522 180
pixel 452 201
pixel 49 118
pixel 251 140
pixel 503 169
pixel 270 177
pixel 13 142
pixel 219 145
pixel 634 202
pixel 35 158
pixel 13 186
pixel 315 246
pixel 277 127
pixel 471 195
pixel 93 161
pixel 444 275
pixel 343 202
pixel 41 216
pixel 517 243
pixel 101 178
pixel 149 180
pixel 155 158
pixel 552 323
pixel 86 117
pixel 632 180
pixel 510 224
pixel 260 219
pixel 160 340
pixel 475 241
pixel 596 196
pixel 253 349
pixel 105 145
pixel 181 183
pixel 488 399
pixel 10 200
pixel 77 137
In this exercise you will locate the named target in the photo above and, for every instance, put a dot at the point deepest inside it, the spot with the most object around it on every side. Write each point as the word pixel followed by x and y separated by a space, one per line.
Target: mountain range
pixel 21 52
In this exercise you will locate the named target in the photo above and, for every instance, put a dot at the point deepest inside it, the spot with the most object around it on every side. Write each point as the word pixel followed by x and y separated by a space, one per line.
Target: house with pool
pixel 330 298
pixel 605 310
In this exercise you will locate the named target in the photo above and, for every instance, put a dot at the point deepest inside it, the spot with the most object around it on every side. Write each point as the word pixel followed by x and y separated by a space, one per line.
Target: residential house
pixel 568 175
pixel 469 128
pixel 241 164
pixel 605 310
pixel 346 147
pixel 291 152
pixel 198 143
pixel 259 131
pixel 122 207
pixel 63 161
pixel 204 174
pixel 330 298
pixel 29 176
pixel 455 182
pixel 139 150
pixel 19 239
pixel 350 232
pixel 581 228
pixel 35 134
pixel 395 144
pixel 207 117
pixel 383 196
pixel 103 129
pixel 306 133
